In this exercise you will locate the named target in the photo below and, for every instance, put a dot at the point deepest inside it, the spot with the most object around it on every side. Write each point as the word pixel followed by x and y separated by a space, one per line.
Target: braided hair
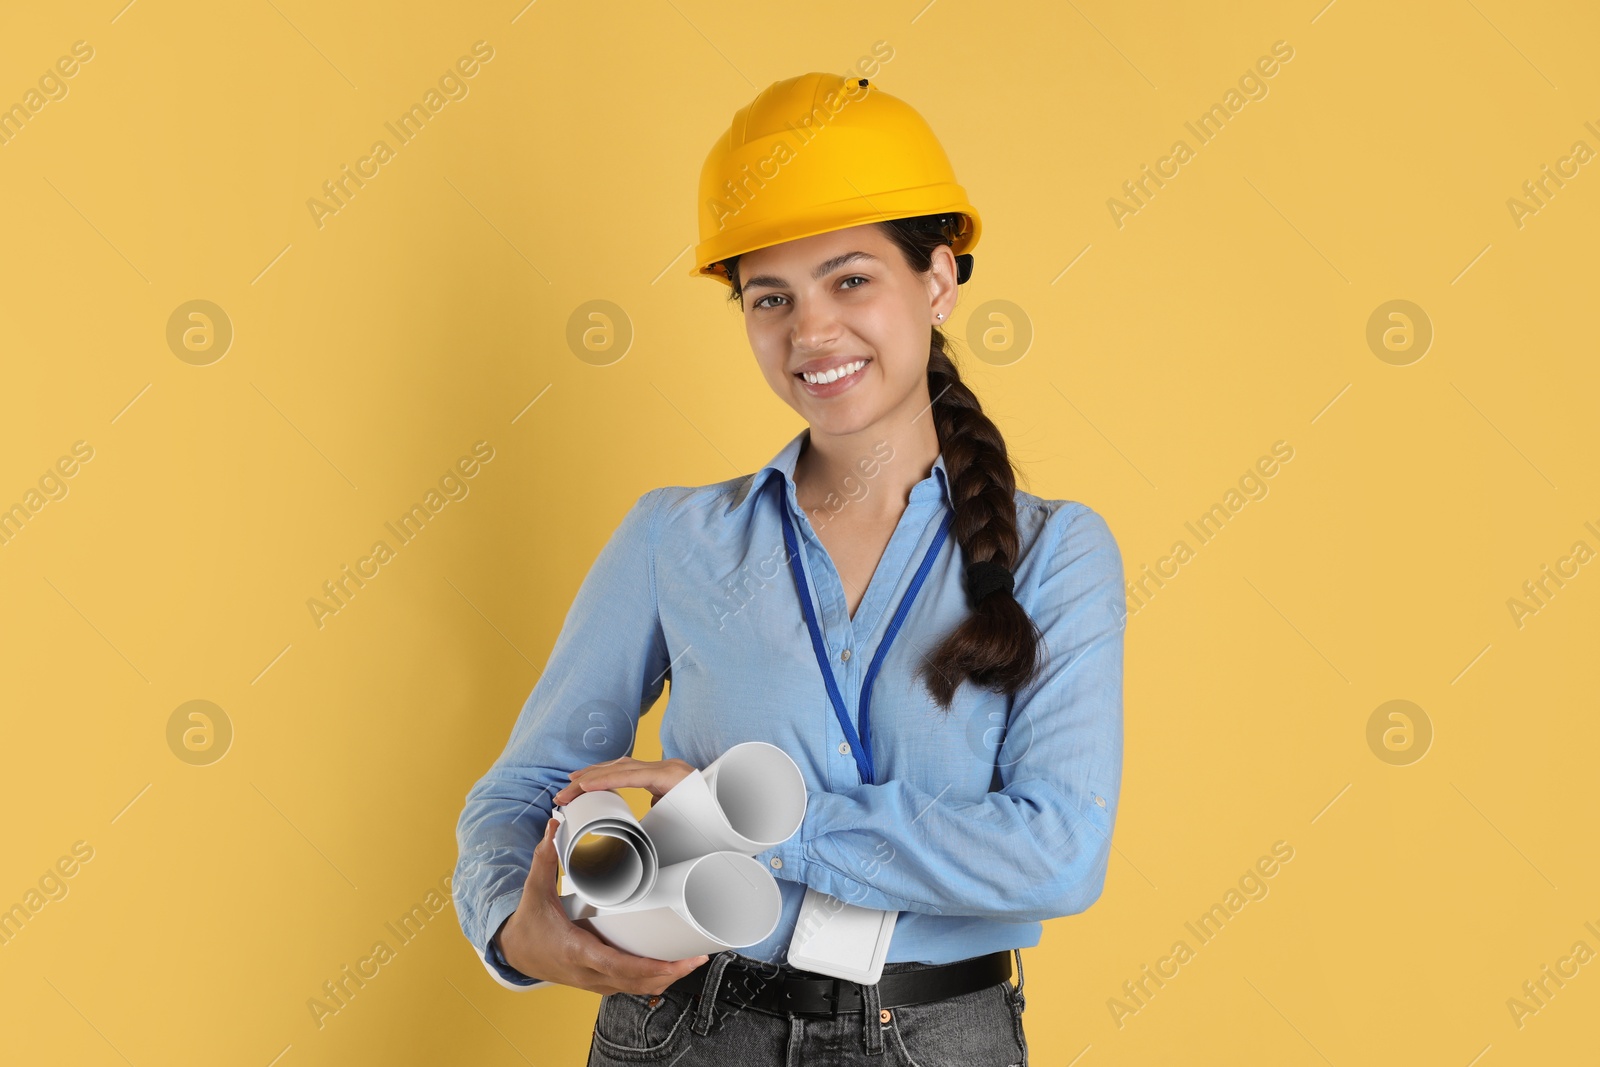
pixel 998 646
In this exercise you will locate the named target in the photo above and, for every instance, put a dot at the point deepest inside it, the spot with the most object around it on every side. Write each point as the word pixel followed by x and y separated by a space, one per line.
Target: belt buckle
pixel 829 995
pixel 833 995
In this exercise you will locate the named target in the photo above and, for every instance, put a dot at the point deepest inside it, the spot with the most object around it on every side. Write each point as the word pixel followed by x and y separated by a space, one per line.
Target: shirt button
pixel 844 748
pixel 845 655
pixel 776 862
pixel 1100 801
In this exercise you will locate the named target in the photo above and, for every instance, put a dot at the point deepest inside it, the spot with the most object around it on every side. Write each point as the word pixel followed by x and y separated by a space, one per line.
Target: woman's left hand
pixel 658 776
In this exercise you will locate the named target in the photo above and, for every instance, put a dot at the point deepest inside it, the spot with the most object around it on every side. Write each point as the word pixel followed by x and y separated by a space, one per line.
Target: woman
pixel 963 751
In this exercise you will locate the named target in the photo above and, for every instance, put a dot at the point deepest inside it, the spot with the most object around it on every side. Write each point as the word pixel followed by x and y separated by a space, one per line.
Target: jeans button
pixel 884 1016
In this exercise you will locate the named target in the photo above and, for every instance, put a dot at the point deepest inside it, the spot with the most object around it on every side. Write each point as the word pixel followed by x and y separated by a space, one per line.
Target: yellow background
pixel 369 353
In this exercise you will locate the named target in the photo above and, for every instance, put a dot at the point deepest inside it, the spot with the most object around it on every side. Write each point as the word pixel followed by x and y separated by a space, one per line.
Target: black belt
pixel 809 993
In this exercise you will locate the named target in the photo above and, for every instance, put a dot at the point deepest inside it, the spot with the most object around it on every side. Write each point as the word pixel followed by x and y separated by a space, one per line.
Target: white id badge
pixel 840 939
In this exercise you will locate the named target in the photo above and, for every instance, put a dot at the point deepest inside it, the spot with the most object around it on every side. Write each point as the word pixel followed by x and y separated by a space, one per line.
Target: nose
pixel 815 326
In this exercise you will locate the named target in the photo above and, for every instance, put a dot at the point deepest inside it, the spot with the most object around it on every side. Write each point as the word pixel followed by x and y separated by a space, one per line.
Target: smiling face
pixel 845 304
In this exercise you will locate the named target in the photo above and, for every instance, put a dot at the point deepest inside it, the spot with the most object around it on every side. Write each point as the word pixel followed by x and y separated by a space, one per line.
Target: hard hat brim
pixel 844 214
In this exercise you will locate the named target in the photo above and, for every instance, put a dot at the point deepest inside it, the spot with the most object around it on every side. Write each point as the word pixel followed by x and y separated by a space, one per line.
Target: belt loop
pixel 1017 992
pixel 705 1014
pixel 871 1025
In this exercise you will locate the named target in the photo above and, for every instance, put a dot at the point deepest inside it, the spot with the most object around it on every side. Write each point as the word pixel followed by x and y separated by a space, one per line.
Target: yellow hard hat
pixel 822 152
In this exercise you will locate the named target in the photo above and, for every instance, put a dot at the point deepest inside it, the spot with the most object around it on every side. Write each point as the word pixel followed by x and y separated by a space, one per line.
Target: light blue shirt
pixel 983 823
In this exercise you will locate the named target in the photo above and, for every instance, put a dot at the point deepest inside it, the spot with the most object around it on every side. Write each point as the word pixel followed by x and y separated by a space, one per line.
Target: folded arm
pixel 1038 847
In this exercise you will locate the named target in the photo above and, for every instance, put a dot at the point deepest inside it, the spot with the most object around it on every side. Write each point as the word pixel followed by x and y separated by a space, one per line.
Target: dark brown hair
pixel 998 646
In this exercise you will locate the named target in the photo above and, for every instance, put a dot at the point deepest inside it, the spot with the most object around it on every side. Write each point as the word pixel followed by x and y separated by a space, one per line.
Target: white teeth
pixel 835 374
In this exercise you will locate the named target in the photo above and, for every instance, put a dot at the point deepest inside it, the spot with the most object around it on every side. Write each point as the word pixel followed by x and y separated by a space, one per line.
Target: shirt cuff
pixel 790 855
pixel 493 960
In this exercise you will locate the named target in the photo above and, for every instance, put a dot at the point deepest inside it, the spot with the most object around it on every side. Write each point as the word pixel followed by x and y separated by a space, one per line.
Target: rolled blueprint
pixel 748 800
pixel 605 852
pixel 682 881
pixel 713 902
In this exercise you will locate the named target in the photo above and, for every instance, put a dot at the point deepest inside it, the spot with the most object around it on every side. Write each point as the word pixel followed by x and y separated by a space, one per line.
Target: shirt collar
pixel 931 488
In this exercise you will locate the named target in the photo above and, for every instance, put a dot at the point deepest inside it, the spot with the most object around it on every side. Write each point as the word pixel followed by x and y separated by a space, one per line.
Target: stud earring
pixel 941 314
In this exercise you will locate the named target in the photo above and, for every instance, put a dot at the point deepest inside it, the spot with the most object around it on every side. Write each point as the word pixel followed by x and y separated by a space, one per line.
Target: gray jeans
pixel 693 1029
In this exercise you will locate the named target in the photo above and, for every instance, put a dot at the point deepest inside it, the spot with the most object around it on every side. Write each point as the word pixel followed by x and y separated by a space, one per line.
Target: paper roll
pixel 681 881
pixel 750 799
pixel 608 858
pixel 719 901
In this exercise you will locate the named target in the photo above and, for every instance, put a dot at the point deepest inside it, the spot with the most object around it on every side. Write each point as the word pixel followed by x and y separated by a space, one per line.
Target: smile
pixel 834 375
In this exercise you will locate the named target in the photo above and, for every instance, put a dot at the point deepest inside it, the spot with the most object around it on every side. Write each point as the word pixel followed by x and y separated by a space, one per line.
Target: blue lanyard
pixel 860 743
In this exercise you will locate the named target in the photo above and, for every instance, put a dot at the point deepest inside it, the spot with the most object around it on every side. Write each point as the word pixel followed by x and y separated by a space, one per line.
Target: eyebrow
pixel 823 269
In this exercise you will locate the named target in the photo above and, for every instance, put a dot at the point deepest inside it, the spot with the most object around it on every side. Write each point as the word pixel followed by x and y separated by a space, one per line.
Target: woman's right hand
pixel 541 942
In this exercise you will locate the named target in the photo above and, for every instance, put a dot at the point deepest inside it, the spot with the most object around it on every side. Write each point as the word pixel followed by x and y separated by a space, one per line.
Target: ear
pixel 941 282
